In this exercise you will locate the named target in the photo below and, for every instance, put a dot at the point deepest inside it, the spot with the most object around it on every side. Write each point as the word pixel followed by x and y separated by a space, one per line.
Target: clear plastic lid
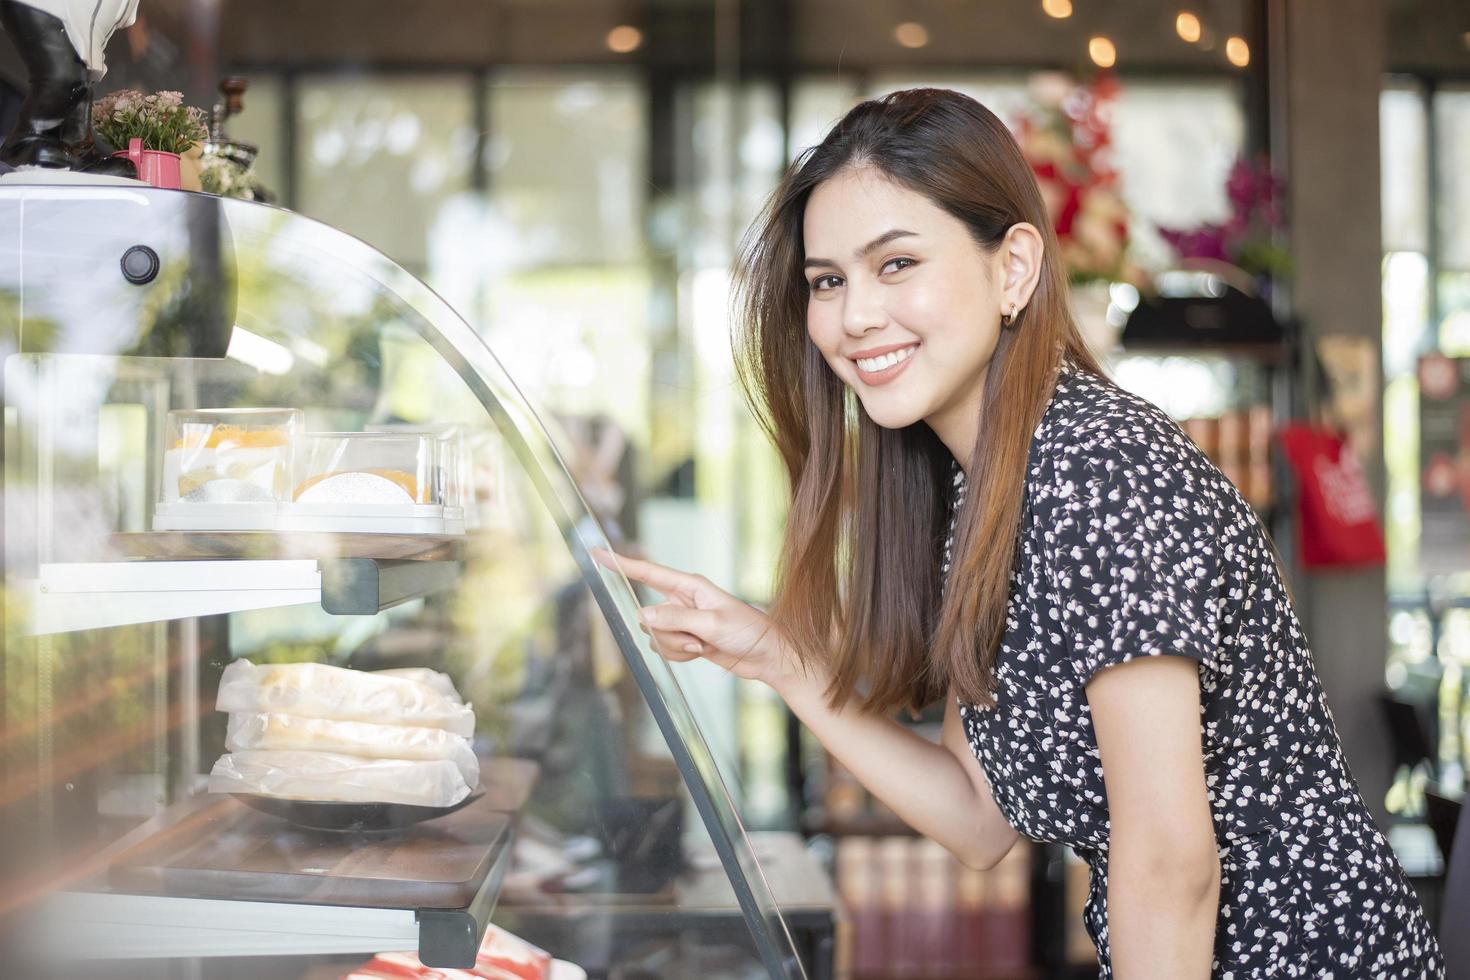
pixel 228 455
pixel 375 468
pixel 453 471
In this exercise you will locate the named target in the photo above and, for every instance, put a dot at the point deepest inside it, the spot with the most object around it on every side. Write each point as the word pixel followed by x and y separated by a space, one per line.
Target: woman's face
pixel 903 304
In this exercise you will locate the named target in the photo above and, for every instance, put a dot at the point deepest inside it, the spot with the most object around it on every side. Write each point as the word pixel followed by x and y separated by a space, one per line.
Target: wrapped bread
pixel 438 680
pixel 331 776
pixel 314 690
pixel 249 731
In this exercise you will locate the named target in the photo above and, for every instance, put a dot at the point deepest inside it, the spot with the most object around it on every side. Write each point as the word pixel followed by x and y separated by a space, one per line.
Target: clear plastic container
pixel 453 473
pixel 226 468
pixel 366 481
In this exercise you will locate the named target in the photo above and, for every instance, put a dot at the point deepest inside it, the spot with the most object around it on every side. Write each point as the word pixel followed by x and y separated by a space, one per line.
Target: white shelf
pixel 69 596
pixel 90 926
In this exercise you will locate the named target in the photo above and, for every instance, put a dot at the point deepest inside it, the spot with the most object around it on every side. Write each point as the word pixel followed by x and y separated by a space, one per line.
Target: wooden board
pixel 182 545
pixel 220 848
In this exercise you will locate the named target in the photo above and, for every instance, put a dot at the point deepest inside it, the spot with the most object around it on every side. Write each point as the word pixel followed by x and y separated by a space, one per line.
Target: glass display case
pixel 306 659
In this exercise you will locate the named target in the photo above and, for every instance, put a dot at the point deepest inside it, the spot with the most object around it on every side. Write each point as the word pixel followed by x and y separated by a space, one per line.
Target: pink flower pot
pixel 155 167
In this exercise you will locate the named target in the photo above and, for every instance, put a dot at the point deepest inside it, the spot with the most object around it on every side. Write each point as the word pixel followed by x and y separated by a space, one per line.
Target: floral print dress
pixel 1133 544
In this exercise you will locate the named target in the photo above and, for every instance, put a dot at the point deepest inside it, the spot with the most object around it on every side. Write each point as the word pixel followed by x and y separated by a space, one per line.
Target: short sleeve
pixel 1135 548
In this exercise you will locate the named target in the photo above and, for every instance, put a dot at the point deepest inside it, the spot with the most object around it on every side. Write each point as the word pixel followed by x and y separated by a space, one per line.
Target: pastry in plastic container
pixel 226 468
pixel 313 690
pixel 387 482
pixel 453 474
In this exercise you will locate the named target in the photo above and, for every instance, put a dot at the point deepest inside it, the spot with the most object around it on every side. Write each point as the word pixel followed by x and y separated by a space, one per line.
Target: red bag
pixel 1337 518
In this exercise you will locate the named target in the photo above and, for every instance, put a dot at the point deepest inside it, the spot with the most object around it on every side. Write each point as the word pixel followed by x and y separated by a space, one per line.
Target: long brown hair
pixel 858 583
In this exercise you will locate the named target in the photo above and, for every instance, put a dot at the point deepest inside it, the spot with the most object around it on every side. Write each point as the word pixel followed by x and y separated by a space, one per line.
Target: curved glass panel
pixel 235 434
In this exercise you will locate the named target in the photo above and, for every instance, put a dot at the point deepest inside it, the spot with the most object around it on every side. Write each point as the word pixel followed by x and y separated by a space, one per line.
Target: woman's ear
pixel 1020 256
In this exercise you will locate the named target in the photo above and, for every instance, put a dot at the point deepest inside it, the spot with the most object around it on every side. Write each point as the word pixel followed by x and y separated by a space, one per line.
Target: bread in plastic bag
pixel 333 777
pixel 249 731
pixel 436 679
pixel 314 690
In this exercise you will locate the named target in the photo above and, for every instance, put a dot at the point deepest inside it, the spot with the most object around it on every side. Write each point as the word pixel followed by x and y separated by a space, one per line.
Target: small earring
pixel 1009 318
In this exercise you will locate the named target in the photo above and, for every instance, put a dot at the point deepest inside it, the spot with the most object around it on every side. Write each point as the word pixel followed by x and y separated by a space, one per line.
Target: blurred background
pixel 574 177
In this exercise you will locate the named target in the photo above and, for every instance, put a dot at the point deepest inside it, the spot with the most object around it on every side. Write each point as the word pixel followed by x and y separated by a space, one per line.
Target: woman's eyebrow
pixel 865 251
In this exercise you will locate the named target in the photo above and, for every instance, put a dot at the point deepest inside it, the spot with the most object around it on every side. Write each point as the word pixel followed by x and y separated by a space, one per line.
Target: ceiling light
pixel 1104 55
pixel 624 38
pixel 1060 9
pixel 911 34
pixel 1187 25
pixel 1238 52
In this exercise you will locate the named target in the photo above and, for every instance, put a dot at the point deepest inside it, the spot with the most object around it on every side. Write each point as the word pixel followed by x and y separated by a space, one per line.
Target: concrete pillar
pixel 1331 54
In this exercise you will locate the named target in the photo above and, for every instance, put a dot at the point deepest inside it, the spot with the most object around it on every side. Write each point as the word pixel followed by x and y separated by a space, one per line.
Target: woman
pixel 907 344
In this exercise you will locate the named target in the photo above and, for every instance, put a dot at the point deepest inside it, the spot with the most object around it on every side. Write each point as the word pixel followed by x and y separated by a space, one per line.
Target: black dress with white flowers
pixel 1133 544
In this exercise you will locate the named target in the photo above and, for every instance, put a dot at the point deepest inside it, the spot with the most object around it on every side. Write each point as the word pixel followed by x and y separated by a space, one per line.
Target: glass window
pixel 817 102
pixel 1452 123
pixel 1403 133
pixel 566 163
pixel 559 283
pixel 1006 95
pixel 378 156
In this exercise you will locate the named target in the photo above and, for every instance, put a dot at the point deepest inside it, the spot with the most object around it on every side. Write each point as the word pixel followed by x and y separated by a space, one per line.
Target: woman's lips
pixel 875 378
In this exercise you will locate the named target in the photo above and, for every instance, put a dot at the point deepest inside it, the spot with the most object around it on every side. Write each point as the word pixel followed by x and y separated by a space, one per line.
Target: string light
pixel 911 34
pixel 1060 9
pixel 1104 55
pixel 624 38
pixel 1238 52
pixel 1187 26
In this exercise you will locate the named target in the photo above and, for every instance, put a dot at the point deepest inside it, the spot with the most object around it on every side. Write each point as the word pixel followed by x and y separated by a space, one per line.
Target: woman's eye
pixel 826 282
pixel 897 265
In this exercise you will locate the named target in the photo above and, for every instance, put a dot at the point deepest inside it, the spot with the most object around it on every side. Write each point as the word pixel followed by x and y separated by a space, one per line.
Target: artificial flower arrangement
pixel 160 120
pixel 1247 238
pixel 1067 139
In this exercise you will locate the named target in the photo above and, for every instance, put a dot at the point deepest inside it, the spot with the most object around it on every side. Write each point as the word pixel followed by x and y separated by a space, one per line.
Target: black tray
pixel 352 818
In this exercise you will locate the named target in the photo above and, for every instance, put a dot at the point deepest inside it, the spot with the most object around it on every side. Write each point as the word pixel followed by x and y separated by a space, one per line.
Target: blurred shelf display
pixel 915 912
pixel 1213 355
pixel 286 451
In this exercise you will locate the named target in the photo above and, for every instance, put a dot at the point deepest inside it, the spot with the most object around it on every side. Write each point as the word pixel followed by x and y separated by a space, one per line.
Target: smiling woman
pixel 915 225
pixel 978 515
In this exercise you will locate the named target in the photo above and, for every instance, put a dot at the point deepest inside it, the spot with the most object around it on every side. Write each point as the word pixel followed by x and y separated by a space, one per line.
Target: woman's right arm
pixel 938 789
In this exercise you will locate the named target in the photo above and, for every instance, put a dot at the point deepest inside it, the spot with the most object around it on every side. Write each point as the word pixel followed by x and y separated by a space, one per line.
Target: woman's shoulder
pixel 1096 432
pixel 1092 415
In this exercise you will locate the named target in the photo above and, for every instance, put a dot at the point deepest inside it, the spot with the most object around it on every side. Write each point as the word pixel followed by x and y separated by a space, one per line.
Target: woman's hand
pixel 701 620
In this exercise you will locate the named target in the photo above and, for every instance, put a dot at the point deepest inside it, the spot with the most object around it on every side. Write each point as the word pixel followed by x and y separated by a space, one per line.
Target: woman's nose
pixel 861 309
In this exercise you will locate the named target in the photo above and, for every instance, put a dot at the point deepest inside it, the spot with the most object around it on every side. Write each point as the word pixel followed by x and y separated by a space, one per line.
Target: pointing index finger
pixel 664 579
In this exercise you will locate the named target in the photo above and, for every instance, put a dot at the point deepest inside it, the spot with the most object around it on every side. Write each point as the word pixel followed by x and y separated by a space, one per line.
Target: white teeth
pixel 871 364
